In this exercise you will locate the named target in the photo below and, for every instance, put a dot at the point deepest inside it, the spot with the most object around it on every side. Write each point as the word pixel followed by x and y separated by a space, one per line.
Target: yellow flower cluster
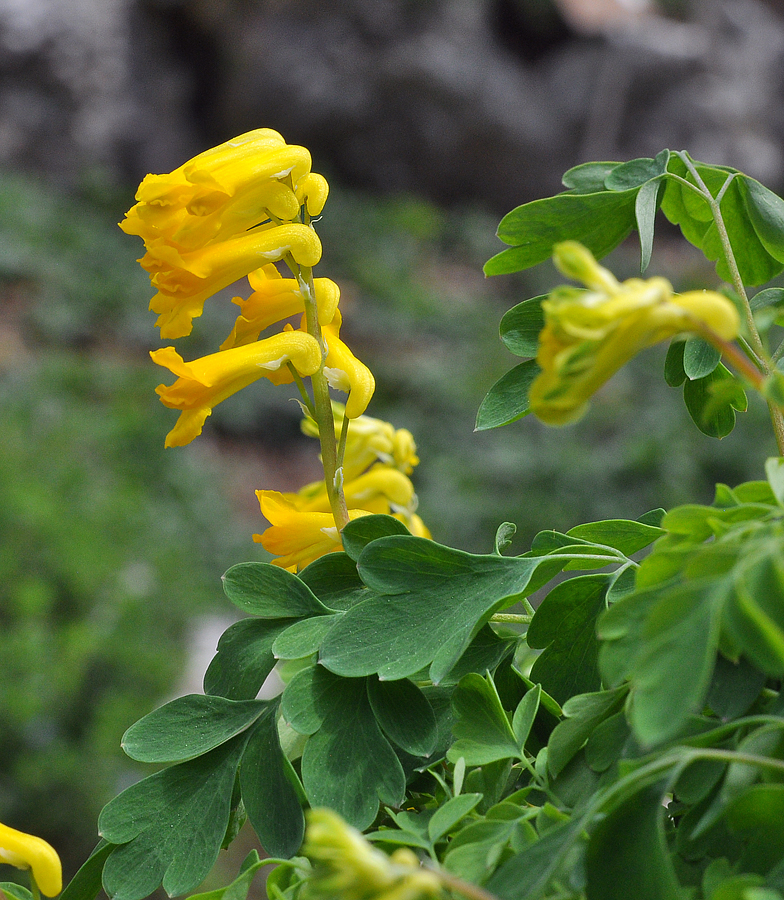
pixel 589 335
pixel 238 210
pixel 347 866
pixel 377 462
pixel 230 212
pixel 25 851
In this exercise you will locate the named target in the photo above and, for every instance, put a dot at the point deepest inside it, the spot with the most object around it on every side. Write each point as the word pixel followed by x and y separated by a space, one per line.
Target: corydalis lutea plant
pixel 234 211
pixel 627 731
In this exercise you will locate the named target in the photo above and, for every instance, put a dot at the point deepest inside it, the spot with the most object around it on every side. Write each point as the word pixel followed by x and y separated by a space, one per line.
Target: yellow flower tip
pixel 25 851
pixel 577 262
pixel 345 372
pixel 312 191
pixel 715 310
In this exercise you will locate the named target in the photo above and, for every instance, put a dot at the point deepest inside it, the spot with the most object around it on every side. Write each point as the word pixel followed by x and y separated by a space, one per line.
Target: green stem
pixel 322 402
pixel 34 889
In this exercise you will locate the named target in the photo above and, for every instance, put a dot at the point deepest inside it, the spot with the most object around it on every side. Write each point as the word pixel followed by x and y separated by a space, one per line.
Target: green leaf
pixel 672 673
pixel 449 814
pixel 306 700
pixel 86 884
pixel 524 715
pixel 503 537
pixel 645 206
pixel 699 358
pixel 418 581
pixel 405 715
pixel 481 727
pixel 348 764
pixel 583 714
pixel 521 325
pixel 588 178
pixel 636 172
pixel 189 726
pixel 15 891
pixel 712 401
pixel 757 818
pixel 237 889
pixel 270 798
pixel 766 213
pixel 599 221
pixel 625 535
pixel 628 847
pixel 359 533
pixel 507 399
pixel 303 638
pixel 171 825
pixel 483 655
pixel 244 658
pixel 334 580
pixel 774 470
pixel 768 297
pixel 564 626
pixel 270 592
pixel 674 372
pixel 526 875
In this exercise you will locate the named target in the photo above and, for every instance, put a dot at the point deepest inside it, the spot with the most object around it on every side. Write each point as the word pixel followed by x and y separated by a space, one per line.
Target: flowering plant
pixel 605 709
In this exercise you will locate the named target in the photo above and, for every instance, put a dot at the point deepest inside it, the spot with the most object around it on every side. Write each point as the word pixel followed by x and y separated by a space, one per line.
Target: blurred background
pixel 431 119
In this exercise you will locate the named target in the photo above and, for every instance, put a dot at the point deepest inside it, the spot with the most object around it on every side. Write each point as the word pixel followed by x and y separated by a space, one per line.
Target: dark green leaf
pixel 625 535
pixel 524 715
pixel 674 372
pixel 636 172
pixel 766 212
pixel 757 818
pixel 599 221
pixel 712 401
pixel 645 207
pixel 588 178
pixel 189 726
pixel 171 825
pixel 526 875
pixel 628 847
pixel 418 581
pixel 607 741
pixel 244 658
pixel 348 764
pixel 359 533
pixel 334 580
pixel 86 884
pixel 774 470
pixel 734 687
pixel 305 701
pixel 404 714
pixel 483 655
pixel 237 889
pixel 270 798
pixel 270 592
pixel 507 399
pixel 449 814
pixel 521 325
pixel 303 638
pixel 15 891
pixel 699 358
pixel 565 626
pixel 481 727
pixel 583 714
pixel 768 297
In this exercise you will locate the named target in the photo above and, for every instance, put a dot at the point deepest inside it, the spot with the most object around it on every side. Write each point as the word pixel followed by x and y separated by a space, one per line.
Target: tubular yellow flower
pixel 382 489
pixel 25 851
pixel 345 372
pixel 185 280
pixel 589 335
pixel 296 537
pixel 205 382
pixel 275 298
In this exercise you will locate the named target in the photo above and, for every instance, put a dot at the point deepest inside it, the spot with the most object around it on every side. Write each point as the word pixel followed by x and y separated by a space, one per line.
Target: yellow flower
pixel 205 382
pixel 184 280
pixel 370 440
pixel 275 298
pixel 296 537
pixel 346 865
pixel 589 335
pixel 345 372
pixel 26 851
pixel 221 215
pixel 381 489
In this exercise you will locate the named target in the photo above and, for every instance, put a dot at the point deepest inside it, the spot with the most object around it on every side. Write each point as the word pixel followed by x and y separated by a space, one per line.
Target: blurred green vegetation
pixel 109 544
